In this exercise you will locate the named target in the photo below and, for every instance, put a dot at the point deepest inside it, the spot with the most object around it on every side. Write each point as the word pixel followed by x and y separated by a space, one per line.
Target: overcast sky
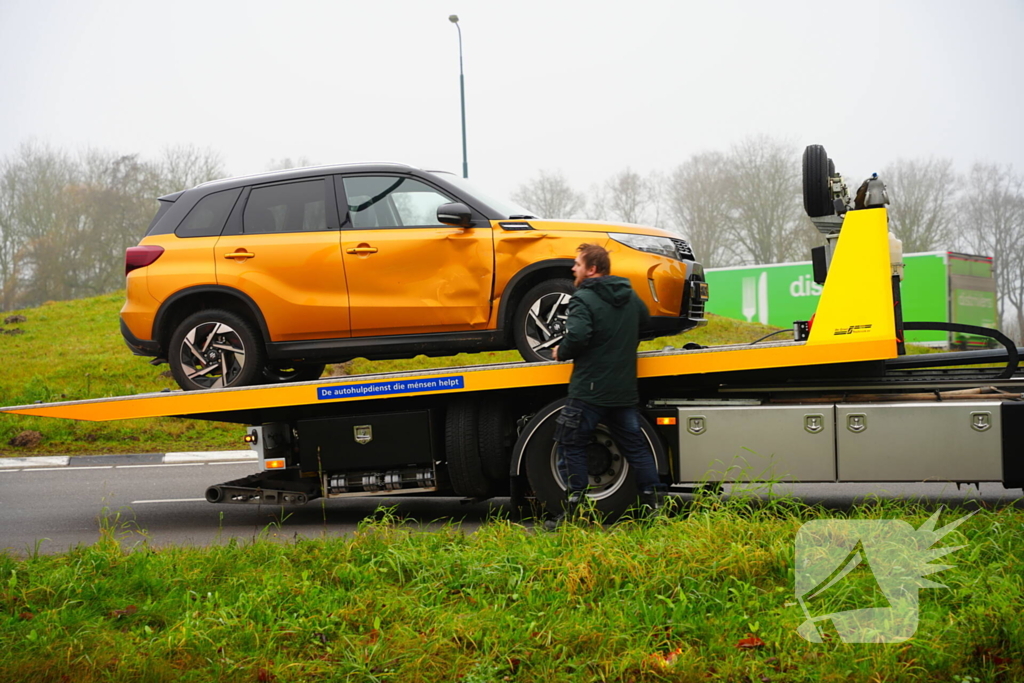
pixel 587 88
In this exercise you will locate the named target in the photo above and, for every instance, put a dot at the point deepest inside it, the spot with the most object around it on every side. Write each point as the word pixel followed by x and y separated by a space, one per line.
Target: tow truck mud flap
pixel 264 489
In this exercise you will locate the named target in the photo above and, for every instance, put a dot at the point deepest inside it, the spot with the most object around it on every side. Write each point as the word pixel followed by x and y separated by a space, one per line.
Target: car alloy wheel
pixel 540 322
pixel 212 355
pixel 215 349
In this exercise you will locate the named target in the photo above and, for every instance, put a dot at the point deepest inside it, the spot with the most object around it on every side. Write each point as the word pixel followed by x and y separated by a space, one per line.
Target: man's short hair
pixel 596 256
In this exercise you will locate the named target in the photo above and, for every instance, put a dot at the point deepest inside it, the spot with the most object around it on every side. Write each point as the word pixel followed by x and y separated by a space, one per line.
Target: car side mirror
pixel 455 213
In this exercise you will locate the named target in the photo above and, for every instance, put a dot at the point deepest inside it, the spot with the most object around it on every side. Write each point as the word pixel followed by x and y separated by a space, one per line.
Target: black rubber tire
pixel 282 373
pixel 817 194
pixel 521 321
pixel 249 372
pixel 497 436
pixel 462 449
pixel 536 448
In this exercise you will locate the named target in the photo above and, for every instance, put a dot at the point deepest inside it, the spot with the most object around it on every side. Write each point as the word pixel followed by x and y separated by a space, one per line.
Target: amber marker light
pixel 276 464
pixel 666 421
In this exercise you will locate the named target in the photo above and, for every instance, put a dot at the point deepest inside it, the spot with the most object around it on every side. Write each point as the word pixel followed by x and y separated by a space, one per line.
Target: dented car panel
pixel 419 280
pixel 296 279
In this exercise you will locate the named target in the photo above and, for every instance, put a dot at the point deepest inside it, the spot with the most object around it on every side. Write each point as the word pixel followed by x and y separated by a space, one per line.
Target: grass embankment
pixel 706 596
pixel 72 350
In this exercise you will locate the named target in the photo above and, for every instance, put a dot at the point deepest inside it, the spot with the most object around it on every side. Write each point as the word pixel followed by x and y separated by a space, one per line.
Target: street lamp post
pixel 462 90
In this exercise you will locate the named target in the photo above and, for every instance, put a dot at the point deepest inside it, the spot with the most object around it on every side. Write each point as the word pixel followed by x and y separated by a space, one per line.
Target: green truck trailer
pixel 940 286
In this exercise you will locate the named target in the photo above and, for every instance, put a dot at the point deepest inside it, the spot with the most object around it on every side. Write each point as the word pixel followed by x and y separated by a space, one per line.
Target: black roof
pixel 294 173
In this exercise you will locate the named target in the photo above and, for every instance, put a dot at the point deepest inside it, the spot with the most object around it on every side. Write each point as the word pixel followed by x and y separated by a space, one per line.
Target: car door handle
pixel 361 250
pixel 240 254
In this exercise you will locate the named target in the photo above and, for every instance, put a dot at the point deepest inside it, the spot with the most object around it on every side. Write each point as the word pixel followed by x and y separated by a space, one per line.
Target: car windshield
pixel 505 207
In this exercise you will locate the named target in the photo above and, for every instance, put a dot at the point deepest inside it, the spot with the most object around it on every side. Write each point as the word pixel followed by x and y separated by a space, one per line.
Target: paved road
pixel 59 507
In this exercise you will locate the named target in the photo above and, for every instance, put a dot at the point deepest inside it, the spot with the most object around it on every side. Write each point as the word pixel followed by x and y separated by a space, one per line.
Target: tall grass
pixel 670 600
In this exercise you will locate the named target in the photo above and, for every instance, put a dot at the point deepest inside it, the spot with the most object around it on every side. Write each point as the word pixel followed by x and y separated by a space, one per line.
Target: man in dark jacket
pixel 603 326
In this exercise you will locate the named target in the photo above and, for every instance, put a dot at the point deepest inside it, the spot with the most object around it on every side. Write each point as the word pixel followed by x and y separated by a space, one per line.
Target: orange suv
pixel 266 278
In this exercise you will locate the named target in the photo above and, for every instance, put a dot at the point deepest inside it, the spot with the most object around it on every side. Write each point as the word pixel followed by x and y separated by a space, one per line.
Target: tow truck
pixel 839 403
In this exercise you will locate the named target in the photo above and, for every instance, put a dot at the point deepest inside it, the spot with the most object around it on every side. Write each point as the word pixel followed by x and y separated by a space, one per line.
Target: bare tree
pixel 991 217
pixel 549 195
pixel 44 224
pixel 765 199
pixel 631 198
pixel 65 222
pixel 10 241
pixel 697 195
pixel 286 163
pixel 923 195
pixel 117 198
pixel 185 166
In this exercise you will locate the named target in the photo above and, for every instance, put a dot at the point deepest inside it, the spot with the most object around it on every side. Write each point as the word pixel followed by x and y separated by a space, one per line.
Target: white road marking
pixel 176 464
pixel 168 500
pixel 64 469
pixel 87 467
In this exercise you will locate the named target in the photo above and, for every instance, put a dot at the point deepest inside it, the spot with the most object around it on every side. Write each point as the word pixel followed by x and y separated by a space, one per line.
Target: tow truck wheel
pixel 539 322
pixel 462 449
pixel 213 349
pixel 612 485
pixel 281 373
pixel 497 436
pixel 817 193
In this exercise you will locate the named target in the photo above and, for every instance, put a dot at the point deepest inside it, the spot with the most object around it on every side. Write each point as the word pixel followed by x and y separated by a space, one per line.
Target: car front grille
pixel 695 307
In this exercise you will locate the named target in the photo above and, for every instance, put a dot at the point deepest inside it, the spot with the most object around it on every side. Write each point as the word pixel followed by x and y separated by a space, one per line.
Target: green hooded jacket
pixel 603 329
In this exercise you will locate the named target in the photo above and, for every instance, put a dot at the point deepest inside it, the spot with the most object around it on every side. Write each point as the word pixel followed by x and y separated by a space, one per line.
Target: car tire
pixel 817 193
pixel 612 496
pixel 462 449
pixel 539 322
pixel 213 349
pixel 282 373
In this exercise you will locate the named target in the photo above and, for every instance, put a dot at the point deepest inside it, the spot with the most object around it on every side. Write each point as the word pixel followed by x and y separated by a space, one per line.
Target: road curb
pixel 214 456
pixel 38 461
pixel 29 462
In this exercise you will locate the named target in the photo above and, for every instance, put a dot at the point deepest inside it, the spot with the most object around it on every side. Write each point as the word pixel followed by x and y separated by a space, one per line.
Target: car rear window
pixel 292 207
pixel 207 217
pixel 164 206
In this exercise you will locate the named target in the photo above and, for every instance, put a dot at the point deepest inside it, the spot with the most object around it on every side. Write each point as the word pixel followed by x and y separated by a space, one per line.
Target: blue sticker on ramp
pixel 398 386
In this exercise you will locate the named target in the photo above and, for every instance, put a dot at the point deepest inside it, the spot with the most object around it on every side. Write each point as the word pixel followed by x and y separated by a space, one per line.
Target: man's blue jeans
pixel 575 428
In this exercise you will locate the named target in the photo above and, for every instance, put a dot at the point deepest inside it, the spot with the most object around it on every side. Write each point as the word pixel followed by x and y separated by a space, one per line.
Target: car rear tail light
pixel 139 257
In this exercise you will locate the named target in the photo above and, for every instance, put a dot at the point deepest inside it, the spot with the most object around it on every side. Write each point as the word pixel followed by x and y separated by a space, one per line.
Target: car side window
pixel 391 202
pixel 207 217
pixel 291 207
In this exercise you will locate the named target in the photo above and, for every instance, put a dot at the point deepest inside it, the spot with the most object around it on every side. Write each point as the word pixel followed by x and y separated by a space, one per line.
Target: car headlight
pixel 662 246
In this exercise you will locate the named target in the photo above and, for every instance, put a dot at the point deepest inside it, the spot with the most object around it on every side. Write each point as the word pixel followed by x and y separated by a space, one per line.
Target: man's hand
pixel 554 352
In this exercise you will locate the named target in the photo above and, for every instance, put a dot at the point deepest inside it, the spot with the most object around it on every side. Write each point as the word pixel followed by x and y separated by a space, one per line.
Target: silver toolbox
pixel 920 441
pixel 739 443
